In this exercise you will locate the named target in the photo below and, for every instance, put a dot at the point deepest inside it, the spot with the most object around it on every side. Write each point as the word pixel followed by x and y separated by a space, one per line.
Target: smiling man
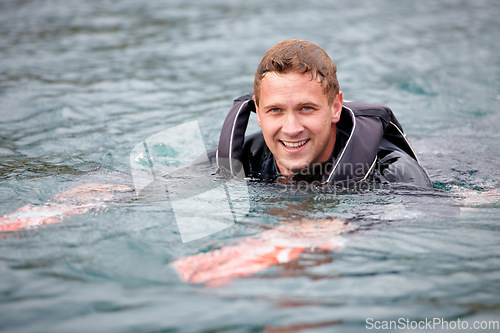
pixel 308 132
pixel 298 103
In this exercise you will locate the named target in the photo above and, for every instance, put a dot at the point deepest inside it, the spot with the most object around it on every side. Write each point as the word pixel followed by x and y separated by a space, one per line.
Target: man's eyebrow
pixel 309 103
pixel 281 105
pixel 273 106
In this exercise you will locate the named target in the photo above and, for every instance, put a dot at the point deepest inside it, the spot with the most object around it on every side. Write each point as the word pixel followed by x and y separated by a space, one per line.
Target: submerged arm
pixel 75 201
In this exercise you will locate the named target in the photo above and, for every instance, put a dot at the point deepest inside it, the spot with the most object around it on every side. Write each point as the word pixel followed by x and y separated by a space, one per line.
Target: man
pixel 308 133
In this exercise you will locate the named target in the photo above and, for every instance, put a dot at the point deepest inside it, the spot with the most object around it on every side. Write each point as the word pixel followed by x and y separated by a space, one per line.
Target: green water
pixel 81 83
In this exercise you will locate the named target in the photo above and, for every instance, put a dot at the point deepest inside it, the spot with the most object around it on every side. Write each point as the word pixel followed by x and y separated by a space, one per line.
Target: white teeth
pixel 294 144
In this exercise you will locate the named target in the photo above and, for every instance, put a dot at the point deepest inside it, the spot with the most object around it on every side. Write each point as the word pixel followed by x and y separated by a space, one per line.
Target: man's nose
pixel 291 124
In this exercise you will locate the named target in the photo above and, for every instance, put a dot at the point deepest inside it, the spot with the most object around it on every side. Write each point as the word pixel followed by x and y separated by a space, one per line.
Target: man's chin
pixel 290 169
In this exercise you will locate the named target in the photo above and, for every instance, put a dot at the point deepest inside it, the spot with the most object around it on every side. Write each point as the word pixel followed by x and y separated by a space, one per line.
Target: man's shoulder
pixel 394 165
pixel 360 109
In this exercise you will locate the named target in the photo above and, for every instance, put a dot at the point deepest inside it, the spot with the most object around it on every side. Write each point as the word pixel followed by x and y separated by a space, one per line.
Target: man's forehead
pixel 293 85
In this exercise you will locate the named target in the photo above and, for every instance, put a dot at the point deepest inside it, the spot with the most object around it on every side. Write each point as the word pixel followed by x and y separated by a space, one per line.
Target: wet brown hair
pixel 294 55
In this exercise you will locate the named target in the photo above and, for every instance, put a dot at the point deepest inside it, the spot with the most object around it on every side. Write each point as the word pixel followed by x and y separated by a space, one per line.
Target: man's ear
pixel 257 111
pixel 337 107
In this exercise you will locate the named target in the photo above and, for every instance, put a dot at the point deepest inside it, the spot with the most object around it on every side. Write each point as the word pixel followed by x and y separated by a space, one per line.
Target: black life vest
pixel 369 125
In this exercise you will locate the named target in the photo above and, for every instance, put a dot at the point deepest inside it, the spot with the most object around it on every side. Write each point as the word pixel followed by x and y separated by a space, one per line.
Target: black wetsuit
pixel 370 147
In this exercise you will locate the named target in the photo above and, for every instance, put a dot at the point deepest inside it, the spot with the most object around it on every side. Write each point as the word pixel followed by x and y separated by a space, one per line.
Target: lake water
pixel 83 82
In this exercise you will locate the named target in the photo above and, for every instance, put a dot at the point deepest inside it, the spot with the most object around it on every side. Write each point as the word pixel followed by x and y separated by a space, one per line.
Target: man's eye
pixel 307 108
pixel 275 110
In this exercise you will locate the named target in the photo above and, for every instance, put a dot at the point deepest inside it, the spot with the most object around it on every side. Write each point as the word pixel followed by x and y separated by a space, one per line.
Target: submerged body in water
pixel 282 244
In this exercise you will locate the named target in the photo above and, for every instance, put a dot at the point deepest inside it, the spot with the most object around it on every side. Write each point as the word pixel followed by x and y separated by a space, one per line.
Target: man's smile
pixel 294 144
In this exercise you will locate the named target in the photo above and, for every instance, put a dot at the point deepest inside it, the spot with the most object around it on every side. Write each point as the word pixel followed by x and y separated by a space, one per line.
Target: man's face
pixel 296 120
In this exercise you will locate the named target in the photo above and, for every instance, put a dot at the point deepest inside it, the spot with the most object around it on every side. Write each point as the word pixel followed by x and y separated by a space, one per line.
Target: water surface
pixel 81 83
